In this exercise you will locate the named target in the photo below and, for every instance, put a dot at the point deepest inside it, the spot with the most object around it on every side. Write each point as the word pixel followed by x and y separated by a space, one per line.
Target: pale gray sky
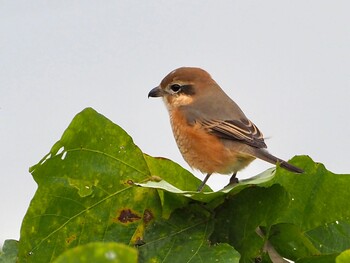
pixel 286 63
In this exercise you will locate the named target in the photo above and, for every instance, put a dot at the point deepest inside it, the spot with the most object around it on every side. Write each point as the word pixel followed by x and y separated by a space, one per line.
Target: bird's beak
pixel 156 92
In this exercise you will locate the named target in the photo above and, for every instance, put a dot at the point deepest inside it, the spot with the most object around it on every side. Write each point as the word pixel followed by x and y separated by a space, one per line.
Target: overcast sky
pixel 286 63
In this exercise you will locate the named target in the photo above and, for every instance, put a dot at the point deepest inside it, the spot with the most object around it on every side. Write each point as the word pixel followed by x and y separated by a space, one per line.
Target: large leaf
pixel 85 191
pixel 318 196
pixel 96 185
pixel 317 221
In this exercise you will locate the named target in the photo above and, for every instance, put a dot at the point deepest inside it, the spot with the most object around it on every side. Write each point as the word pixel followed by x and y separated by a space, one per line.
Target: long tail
pixel 264 155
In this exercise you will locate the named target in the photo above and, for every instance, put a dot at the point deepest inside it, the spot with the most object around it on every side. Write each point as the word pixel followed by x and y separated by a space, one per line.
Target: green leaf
pixel 98 252
pixel 184 238
pixel 317 196
pixel 86 192
pixel 170 176
pixel 344 257
pixel 172 197
pixel 291 241
pixel 96 185
pixel 173 174
pixel 9 251
pixel 294 244
pixel 331 237
pixel 317 220
pixel 318 259
pixel 207 196
pixel 237 220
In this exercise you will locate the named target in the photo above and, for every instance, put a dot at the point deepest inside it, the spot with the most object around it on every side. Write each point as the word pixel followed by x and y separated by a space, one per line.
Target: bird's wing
pixel 223 118
pixel 243 130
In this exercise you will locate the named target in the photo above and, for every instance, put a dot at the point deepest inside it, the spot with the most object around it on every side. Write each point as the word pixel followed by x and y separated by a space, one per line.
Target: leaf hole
pixel 60 150
pixel 63 156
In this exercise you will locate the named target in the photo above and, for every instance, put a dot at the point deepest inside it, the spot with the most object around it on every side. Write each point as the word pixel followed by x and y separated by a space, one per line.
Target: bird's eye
pixel 175 88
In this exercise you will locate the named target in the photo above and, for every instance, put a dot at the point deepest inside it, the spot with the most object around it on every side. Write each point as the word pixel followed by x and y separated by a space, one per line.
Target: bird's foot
pixel 233 180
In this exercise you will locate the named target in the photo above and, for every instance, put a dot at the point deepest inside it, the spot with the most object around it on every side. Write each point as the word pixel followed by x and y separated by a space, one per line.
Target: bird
pixel 210 129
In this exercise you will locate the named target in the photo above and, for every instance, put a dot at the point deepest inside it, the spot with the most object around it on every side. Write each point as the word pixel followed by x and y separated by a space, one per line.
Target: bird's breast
pixel 202 150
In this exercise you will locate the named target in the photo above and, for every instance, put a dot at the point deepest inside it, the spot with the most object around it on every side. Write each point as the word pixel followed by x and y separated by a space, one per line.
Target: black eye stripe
pixel 188 89
pixel 185 89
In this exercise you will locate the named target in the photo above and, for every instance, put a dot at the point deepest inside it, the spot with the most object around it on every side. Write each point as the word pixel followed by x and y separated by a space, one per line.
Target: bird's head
pixel 182 86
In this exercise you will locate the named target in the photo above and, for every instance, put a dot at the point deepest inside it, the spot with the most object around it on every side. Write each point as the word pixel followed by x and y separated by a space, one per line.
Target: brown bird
pixel 211 131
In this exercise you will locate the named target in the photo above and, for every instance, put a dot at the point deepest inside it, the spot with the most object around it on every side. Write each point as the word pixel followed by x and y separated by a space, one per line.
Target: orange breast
pixel 204 151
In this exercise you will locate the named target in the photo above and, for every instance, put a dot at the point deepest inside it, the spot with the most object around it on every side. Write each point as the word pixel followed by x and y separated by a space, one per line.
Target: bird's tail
pixel 264 155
